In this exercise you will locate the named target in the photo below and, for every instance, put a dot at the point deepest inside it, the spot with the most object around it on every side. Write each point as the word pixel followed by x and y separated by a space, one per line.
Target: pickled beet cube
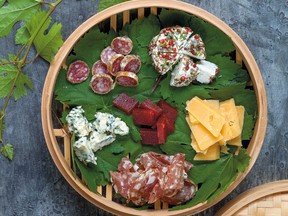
pixel 125 103
pixel 169 110
pixel 163 119
pixel 149 136
pixel 148 104
pixel 143 117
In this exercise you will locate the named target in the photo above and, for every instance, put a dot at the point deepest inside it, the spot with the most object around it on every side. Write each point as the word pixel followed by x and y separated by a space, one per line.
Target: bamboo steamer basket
pixel 62 159
pixel 265 200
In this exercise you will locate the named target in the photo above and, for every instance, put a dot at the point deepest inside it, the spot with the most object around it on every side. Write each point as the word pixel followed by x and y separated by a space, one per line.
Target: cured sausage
pixel 122 45
pixel 77 72
pixel 99 67
pixel 114 63
pixel 107 54
pixel 101 83
pixel 127 79
pixel 154 177
pixel 131 63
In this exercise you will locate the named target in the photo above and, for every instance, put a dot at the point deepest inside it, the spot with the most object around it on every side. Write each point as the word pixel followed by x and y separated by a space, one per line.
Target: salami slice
pixel 102 83
pixel 107 54
pixel 131 63
pixel 99 67
pixel 122 45
pixel 77 72
pixel 127 79
pixel 114 64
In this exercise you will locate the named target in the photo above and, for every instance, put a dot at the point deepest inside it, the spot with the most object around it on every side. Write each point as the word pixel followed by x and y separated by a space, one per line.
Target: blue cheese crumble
pixel 92 137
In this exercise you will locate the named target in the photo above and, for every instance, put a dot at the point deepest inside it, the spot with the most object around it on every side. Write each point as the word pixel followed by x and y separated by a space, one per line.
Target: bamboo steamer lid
pixel 265 200
pixel 62 159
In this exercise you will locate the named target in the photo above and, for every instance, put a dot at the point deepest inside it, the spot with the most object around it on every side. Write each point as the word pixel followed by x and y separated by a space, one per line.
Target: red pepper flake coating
pixel 125 103
pixel 154 177
pixel 77 72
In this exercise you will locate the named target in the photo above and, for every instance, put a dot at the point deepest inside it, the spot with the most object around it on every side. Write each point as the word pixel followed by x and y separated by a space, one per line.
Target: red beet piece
pixel 149 136
pixel 148 104
pixel 125 103
pixel 143 117
pixel 168 123
pixel 169 110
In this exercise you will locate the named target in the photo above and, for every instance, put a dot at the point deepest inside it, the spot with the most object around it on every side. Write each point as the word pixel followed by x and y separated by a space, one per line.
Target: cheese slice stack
pixel 214 124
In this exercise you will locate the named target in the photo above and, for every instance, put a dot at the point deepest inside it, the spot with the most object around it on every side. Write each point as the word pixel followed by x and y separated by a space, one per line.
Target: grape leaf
pixel 49 38
pixel 224 172
pixel 8 74
pixel 14 12
pixel 1 3
pixel 105 4
pixel 7 151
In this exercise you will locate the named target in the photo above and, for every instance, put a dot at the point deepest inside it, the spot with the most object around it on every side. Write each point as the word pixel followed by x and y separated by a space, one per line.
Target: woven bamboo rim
pixel 264 200
pixel 63 162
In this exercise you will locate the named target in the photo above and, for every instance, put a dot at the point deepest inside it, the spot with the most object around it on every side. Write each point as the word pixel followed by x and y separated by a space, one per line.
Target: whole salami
pixel 99 67
pixel 122 45
pixel 113 65
pixel 127 79
pixel 107 54
pixel 77 72
pixel 102 83
pixel 131 63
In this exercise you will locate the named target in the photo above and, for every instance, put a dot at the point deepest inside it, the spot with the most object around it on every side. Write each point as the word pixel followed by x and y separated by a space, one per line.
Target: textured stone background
pixel 32 185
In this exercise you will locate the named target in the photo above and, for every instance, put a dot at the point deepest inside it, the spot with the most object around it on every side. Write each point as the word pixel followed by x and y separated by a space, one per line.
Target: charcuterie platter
pixel 162 110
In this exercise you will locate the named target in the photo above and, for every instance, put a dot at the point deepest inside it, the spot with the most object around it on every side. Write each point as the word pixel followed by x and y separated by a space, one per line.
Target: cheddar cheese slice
pixel 214 104
pixel 210 118
pixel 237 141
pixel 231 128
pixel 213 153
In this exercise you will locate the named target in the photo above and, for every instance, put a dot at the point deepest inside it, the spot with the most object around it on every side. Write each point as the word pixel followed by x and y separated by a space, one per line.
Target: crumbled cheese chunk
pixel 99 140
pixel 77 123
pixel 84 151
pixel 206 71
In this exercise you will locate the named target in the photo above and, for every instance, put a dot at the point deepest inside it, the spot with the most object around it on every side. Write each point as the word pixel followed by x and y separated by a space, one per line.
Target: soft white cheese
pixel 206 71
pixel 84 151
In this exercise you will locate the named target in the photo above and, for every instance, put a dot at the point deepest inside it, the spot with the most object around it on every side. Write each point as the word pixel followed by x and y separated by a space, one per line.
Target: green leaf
pixel 49 38
pixel 215 177
pixel 8 73
pixel 105 4
pixel 14 12
pixel 73 154
pixel 2 2
pixel 22 35
pixel 7 151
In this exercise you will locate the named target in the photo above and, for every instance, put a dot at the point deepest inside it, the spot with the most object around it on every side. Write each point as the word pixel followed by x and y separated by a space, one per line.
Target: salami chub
pixel 101 83
pixel 131 63
pixel 114 64
pixel 78 72
pixel 127 79
pixel 99 67
pixel 122 45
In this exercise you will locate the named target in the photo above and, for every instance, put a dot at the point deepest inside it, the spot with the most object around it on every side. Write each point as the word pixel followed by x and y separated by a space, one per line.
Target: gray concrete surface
pixel 32 185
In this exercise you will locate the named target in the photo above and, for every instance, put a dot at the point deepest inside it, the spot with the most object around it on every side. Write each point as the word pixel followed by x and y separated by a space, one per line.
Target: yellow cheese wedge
pixel 237 141
pixel 231 128
pixel 210 118
pixel 215 104
pixel 213 153
pixel 195 145
pixel 202 136
pixel 224 149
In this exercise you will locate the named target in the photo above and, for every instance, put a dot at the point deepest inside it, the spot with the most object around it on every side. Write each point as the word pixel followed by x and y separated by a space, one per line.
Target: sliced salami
pixel 77 72
pixel 122 45
pixel 114 64
pixel 127 79
pixel 102 83
pixel 107 54
pixel 131 63
pixel 99 67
